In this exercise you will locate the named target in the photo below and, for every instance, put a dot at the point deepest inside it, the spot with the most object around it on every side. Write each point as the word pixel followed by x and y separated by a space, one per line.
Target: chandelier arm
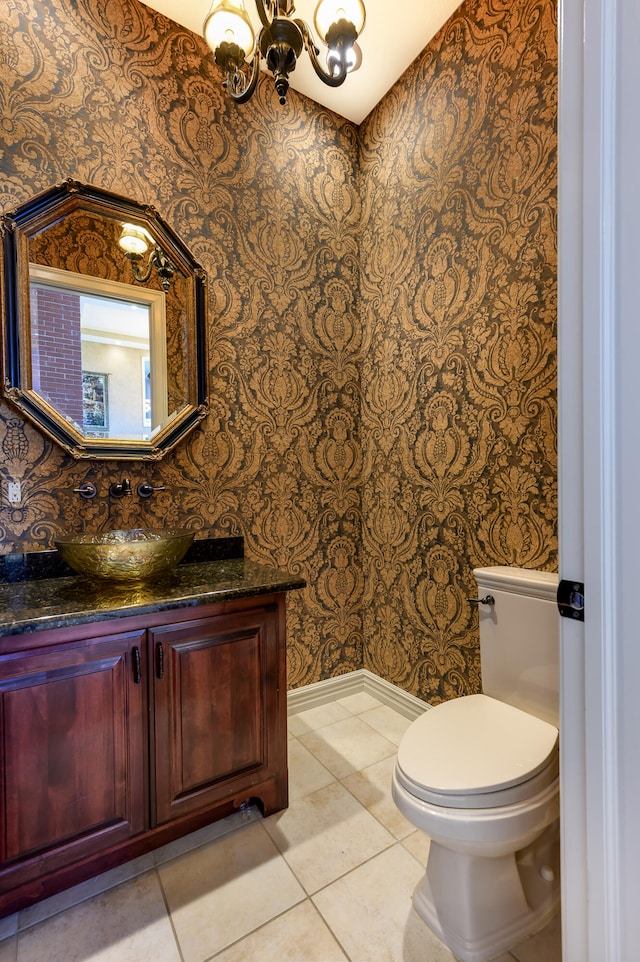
pixel 266 12
pixel 142 276
pixel 331 79
pixel 247 93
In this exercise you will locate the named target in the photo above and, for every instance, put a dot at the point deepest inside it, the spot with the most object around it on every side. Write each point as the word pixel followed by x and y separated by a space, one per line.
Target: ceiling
pixel 393 36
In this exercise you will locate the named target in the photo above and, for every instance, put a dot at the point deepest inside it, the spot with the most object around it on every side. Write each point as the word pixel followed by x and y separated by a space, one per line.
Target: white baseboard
pixel 322 692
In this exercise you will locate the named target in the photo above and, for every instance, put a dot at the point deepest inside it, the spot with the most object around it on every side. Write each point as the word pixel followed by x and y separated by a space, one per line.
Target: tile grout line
pixel 263 925
pixel 169 914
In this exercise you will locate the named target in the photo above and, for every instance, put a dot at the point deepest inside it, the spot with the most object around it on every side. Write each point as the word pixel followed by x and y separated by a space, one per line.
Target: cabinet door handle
pixel 137 665
pixel 159 660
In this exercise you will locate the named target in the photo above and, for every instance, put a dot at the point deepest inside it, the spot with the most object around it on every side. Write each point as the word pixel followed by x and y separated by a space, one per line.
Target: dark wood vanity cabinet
pixel 119 736
pixel 217 729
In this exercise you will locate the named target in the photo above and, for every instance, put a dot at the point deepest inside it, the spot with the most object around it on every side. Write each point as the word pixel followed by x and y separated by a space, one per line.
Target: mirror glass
pixel 104 324
pixel 108 375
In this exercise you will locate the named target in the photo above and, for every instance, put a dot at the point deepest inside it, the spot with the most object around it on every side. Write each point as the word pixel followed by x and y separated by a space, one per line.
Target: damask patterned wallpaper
pixel 382 309
pixel 458 309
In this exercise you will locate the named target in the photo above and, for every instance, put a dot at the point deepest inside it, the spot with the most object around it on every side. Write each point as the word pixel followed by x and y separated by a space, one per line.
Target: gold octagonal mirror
pixel 104 324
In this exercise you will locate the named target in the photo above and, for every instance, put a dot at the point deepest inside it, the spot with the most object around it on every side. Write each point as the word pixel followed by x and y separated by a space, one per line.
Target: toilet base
pixel 480 907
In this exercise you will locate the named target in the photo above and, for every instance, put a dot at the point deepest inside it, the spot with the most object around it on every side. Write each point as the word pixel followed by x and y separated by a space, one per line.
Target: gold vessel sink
pixel 126 556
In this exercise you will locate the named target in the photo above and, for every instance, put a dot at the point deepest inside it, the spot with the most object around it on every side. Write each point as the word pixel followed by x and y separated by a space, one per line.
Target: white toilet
pixel 479 775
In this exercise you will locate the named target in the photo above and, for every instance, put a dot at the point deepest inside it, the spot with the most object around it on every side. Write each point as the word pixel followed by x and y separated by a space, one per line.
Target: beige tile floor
pixel 328 880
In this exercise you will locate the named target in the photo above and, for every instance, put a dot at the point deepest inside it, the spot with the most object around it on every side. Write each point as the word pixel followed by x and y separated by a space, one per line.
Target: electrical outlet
pixel 14 494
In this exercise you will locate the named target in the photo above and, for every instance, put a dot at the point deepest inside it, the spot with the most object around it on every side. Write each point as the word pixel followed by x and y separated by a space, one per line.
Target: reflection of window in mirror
pixel 99 353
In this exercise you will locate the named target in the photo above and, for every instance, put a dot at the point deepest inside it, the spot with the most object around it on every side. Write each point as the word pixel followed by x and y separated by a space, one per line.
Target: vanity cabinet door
pixel 72 753
pixel 218 699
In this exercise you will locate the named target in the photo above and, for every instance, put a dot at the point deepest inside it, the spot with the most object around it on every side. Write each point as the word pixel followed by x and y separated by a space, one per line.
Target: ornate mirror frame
pixel 49 209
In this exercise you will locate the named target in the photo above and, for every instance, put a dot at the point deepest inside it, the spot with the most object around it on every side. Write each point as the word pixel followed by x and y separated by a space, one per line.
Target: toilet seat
pixel 477 752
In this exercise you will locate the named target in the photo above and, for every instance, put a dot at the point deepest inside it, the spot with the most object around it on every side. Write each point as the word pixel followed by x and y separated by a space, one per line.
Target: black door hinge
pixel 571 600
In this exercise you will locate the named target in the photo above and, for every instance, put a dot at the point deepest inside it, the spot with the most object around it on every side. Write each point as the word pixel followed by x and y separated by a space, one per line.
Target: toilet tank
pixel 520 639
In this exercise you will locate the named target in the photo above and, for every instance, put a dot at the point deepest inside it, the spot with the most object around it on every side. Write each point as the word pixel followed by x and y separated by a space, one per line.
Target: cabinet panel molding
pixel 212 707
pixel 72 748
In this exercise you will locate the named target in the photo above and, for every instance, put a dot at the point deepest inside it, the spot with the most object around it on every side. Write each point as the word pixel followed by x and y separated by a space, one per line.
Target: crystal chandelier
pixel 229 33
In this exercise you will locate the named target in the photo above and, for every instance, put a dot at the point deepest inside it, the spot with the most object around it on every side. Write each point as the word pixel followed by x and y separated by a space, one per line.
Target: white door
pixel 599 473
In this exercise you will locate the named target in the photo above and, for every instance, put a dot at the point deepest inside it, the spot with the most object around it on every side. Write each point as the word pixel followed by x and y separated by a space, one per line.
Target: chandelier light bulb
pixel 354 57
pixel 228 22
pixel 329 12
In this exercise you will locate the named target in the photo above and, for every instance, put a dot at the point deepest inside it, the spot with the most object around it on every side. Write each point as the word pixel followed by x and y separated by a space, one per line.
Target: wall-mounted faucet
pixel 118 489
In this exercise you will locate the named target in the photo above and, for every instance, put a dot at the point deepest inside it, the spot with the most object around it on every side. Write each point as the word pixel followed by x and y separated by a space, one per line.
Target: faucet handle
pixel 86 490
pixel 146 489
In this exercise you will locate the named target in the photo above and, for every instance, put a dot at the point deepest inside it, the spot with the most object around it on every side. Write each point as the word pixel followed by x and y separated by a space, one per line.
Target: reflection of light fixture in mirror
pixel 228 31
pixel 135 242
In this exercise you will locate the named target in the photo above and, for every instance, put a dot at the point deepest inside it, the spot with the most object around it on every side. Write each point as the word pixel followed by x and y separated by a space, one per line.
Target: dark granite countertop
pixel 54 602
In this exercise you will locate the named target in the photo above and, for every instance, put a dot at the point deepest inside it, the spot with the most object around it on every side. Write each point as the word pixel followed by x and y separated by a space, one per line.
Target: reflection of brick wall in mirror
pixel 56 355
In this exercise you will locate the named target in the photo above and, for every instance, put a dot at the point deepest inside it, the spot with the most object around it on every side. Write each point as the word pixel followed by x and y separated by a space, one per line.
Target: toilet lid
pixel 474 745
